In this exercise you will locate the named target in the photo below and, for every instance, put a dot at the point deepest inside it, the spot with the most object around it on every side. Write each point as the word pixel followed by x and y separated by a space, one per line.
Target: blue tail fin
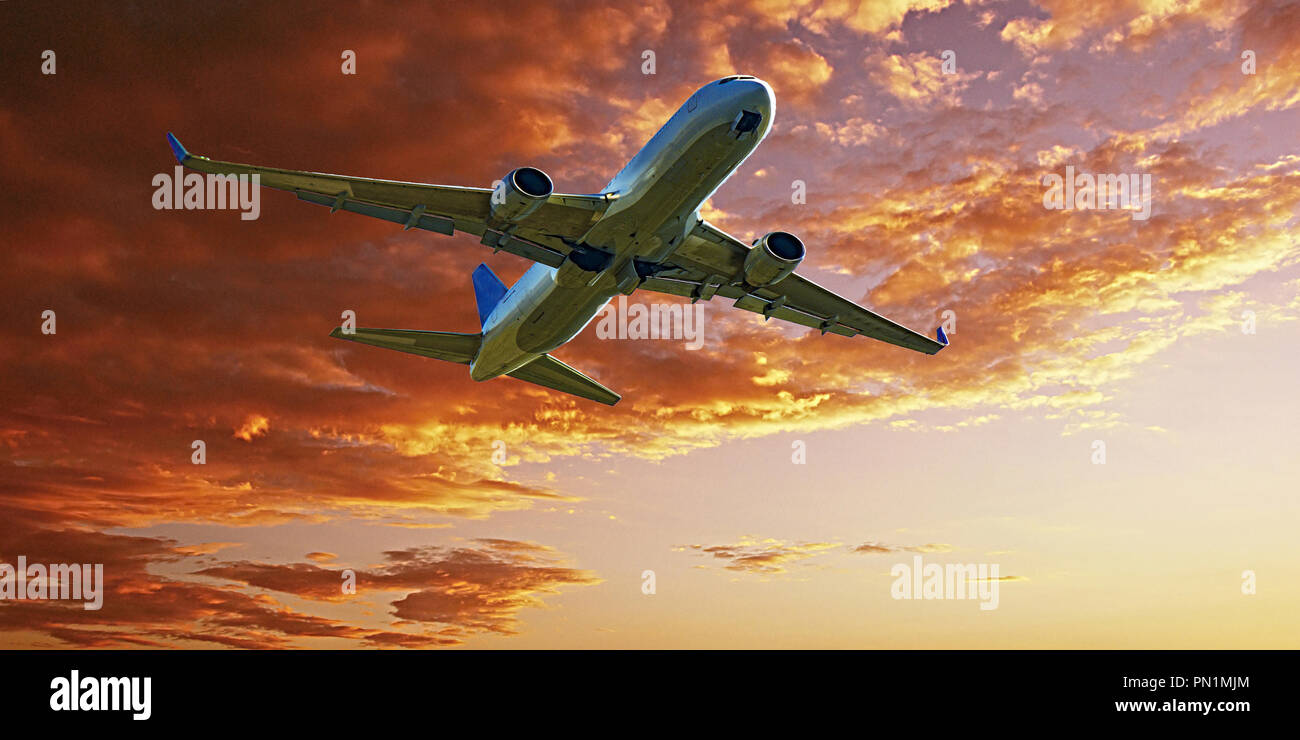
pixel 488 291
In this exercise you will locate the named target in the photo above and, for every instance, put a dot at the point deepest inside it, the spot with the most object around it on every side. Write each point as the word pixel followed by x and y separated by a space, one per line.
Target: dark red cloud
pixel 473 589
pixel 453 592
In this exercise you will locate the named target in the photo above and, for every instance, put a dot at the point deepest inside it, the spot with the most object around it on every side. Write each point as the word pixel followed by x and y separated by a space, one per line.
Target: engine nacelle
pixel 520 193
pixel 773 258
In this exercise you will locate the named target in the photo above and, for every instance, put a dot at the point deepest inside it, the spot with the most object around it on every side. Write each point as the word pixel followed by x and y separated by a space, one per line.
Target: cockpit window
pixel 747 121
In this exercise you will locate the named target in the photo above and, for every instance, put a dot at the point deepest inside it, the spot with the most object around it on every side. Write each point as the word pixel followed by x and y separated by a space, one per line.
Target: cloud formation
pixel 766 556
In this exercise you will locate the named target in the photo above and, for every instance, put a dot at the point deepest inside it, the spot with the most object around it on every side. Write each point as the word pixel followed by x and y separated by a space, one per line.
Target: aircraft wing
pixel 544 236
pixel 710 262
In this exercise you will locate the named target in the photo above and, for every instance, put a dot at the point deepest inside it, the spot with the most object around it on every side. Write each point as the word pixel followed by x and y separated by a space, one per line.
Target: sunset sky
pixel 924 195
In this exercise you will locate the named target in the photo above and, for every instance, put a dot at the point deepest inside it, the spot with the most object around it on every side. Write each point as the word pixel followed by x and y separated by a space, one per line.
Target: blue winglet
pixel 177 149
pixel 943 338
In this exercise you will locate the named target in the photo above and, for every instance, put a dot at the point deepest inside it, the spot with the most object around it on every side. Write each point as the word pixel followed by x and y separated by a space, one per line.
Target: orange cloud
pixel 866 16
pixel 457 591
pixel 878 548
pixel 917 79
pixel 763 556
pixel 255 425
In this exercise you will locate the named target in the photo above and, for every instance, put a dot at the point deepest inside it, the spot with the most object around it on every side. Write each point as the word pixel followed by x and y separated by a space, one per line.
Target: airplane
pixel 643 231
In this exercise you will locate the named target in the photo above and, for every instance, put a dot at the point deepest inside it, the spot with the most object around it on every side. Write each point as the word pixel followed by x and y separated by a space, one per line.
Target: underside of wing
pixel 544 236
pixel 551 373
pixel 711 262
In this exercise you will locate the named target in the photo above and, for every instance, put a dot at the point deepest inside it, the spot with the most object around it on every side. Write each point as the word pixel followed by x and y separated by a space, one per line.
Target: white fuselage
pixel 657 197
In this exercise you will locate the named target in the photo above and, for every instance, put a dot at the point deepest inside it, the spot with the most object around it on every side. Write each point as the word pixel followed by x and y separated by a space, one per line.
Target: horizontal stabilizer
pixel 551 373
pixel 440 345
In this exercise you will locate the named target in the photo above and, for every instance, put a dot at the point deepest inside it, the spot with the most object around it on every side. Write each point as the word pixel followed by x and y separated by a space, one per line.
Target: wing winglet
pixel 177 148
pixel 941 336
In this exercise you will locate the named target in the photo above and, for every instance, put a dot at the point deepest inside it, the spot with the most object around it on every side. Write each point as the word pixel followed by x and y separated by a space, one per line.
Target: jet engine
pixel 772 258
pixel 520 193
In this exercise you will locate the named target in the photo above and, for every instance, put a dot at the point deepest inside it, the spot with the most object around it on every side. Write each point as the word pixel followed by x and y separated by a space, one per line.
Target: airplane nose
pixel 755 100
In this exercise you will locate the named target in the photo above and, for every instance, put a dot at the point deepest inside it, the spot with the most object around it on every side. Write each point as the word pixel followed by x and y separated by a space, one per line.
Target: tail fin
pixel 488 291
